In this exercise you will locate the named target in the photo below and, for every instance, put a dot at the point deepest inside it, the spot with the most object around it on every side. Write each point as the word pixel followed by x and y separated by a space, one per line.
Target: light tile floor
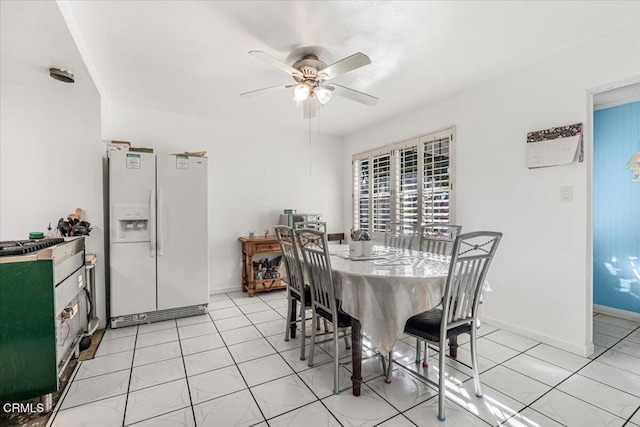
pixel 232 367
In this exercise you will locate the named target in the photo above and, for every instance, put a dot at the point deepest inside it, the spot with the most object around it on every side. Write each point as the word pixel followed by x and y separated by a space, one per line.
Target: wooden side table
pixel 251 247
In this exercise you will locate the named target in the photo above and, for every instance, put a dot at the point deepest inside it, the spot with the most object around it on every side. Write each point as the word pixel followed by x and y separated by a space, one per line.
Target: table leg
pixel 251 282
pixel 356 355
pixel 453 347
pixel 244 271
pixel 294 317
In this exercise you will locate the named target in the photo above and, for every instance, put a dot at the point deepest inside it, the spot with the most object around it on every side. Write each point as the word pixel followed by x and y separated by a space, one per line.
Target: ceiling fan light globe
pixel 301 92
pixel 322 94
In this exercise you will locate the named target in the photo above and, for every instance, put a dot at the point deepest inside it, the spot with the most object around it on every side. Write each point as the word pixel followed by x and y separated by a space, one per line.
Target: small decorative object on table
pixel 361 244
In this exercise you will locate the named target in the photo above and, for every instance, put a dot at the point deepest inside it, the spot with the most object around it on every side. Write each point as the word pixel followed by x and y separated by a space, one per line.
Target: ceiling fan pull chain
pixel 310 154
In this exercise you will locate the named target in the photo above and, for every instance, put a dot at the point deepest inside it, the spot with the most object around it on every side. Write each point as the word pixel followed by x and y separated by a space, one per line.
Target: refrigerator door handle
pixel 152 222
pixel 160 220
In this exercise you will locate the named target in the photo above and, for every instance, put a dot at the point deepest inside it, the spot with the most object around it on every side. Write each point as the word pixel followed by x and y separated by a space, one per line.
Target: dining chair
pixel 399 235
pixel 458 310
pixel 320 226
pixel 437 239
pixel 296 289
pixel 316 260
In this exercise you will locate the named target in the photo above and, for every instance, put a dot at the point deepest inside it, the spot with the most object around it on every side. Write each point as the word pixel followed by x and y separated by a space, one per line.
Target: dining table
pixel 382 291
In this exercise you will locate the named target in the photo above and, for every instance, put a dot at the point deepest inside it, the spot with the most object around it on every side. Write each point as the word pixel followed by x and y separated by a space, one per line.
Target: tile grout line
pixel 392 405
pixel 133 357
pixel 413 373
pixel 401 414
pixel 525 375
pixel 611 349
pixel 637 411
pixel 158 384
pixel 265 337
pixel 572 374
pixel 56 408
pixel 238 368
pixel 184 366
pixel 501 364
pixel 294 372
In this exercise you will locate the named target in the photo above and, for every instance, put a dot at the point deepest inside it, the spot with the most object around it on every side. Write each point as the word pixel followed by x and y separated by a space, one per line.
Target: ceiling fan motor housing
pixel 310 67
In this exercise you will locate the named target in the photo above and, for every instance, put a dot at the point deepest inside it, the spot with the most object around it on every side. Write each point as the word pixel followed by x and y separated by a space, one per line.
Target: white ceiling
pixel 190 57
pixel 33 38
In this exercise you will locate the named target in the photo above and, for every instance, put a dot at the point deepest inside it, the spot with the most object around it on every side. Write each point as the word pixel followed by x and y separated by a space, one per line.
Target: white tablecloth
pixel 383 293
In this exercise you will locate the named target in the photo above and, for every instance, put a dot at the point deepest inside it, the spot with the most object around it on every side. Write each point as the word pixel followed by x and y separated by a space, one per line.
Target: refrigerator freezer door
pixel 183 255
pixel 132 181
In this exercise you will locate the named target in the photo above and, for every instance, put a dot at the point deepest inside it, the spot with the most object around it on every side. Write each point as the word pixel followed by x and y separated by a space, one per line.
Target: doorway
pixel 615 211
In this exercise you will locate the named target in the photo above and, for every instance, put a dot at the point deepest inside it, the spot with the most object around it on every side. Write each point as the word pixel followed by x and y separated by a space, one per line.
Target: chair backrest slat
pixel 438 238
pixel 291 257
pixel 315 256
pixel 399 235
pixel 470 260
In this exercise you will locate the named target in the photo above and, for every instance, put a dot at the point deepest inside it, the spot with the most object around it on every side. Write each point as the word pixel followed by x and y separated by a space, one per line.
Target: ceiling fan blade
pixel 352 94
pixel 309 108
pixel 266 89
pixel 345 65
pixel 265 57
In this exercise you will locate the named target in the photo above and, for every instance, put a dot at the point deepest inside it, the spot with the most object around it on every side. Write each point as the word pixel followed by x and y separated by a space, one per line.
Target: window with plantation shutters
pixel 406 188
pixel 381 192
pixel 410 182
pixel 361 188
pixel 435 179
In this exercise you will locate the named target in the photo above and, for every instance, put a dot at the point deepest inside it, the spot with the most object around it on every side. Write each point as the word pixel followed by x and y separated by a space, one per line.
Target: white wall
pixel 254 173
pixel 540 271
pixel 49 131
pixel 50 164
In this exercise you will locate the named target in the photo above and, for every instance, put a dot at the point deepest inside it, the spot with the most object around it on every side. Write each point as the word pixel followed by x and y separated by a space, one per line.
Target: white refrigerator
pixel 158 237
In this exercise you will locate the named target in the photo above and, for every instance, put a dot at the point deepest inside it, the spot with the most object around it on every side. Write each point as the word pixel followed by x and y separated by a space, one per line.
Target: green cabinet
pixel 28 366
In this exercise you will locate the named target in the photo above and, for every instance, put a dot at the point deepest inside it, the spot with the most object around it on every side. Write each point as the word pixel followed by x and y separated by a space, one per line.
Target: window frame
pixel 393 150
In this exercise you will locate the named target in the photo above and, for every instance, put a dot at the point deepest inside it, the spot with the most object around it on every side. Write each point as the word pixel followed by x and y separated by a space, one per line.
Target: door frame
pixel 588 147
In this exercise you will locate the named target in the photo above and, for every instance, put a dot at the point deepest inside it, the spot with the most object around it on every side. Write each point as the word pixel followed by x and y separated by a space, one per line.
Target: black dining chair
pixel 458 311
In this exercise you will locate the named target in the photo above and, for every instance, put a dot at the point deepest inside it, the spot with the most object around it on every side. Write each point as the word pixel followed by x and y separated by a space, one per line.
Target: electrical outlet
pixel 69 311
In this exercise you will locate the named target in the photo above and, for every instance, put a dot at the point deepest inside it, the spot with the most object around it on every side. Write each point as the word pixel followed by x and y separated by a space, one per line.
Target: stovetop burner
pixel 21 247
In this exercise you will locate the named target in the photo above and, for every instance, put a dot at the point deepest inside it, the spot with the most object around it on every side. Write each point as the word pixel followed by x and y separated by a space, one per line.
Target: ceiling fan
pixel 311 88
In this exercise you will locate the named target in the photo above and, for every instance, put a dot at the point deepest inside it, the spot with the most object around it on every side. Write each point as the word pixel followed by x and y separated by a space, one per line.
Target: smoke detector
pixel 65 76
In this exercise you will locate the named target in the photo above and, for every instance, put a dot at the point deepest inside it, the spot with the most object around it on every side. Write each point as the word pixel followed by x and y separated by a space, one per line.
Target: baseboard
pixel 580 350
pixel 616 312
pixel 223 290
